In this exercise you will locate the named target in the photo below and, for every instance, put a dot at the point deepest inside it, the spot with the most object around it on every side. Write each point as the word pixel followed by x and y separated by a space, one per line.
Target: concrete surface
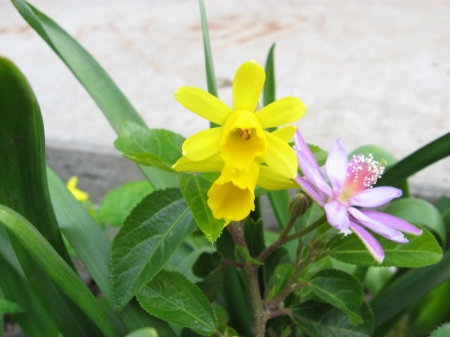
pixel 371 72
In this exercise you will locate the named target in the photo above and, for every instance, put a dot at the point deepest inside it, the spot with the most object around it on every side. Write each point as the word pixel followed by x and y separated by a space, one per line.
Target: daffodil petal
pixel 229 202
pixel 280 112
pixel 203 104
pixel 203 144
pixel 212 164
pixel 243 180
pixel 280 157
pixel 247 86
pixel 270 180
pixel 285 133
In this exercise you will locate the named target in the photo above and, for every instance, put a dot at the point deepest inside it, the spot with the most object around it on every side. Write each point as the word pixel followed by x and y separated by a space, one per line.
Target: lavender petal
pixel 337 166
pixel 337 215
pixel 372 245
pixel 374 197
pixel 392 221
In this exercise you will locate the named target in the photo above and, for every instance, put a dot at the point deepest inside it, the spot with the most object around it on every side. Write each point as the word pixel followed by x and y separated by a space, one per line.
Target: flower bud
pixel 299 204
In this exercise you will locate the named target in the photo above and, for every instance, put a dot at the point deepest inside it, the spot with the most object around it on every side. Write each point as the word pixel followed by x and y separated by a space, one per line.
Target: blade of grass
pixel 418 160
pixel 111 101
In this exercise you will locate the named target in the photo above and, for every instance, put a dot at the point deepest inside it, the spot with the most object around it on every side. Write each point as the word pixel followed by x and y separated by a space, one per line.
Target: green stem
pixel 310 228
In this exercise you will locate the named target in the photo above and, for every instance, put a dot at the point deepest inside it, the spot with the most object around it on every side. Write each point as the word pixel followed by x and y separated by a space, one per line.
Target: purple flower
pixel 351 185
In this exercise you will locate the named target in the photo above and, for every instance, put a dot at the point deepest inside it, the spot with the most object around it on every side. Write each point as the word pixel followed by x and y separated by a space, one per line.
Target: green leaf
pixel 24 189
pixel 170 296
pixel 144 332
pixel 319 154
pixel 279 256
pixel 8 307
pixel 270 83
pixel 93 247
pixel 279 200
pixel 442 331
pixel 119 202
pixel 419 211
pixel 210 76
pixel 52 263
pixel 339 289
pixel 407 289
pixel 323 320
pixel 150 147
pixel 254 236
pixel 279 280
pixel 420 251
pixel 423 157
pixel 185 266
pixel 111 101
pixel 207 262
pixel 195 188
pixel 147 240
pixel 36 322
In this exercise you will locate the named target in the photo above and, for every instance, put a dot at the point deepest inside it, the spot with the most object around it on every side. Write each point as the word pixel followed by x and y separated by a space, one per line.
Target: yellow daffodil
pixel 231 197
pixel 72 187
pixel 240 138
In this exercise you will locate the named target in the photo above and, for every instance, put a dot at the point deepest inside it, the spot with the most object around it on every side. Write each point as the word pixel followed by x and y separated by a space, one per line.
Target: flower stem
pixel 321 221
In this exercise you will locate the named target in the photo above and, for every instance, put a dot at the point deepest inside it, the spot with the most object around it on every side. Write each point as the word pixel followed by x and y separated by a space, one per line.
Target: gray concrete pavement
pixel 371 72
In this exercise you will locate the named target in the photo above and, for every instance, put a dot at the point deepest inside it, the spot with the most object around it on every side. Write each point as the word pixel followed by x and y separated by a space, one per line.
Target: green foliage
pixel 145 243
pixel 339 289
pixel 8 307
pixel 170 296
pixel 195 189
pixel 279 280
pixel 118 203
pixel 420 251
pixel 323 320
pixel 421 212
pixel 442 331
pixel 149 147
pixel 144 332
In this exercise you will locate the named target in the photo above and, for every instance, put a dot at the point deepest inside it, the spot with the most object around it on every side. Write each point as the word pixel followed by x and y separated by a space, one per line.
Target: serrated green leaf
pixel 319 154
pixel 144 332
pixel 442 331
pixel 228 331
pixel 170 296
pixel 8 307
pixel 150 147
pixel 54 265
pixel 93 247
pixel 323 320
pixel 339 289
pixel 419 211
pixel 185 266
pixel 279 256
pixel 195 188
pixel 279 280
pixel 119 202
pixel 420 251
pixel 212 282
pixel 245 253
pixel 147 240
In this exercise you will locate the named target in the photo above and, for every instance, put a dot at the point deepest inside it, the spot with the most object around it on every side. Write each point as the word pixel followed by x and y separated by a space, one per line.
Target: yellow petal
pixel 242 140
pixel 214 163
pixel 270 180
pixel 247 86
pixel 203 104
pixel 283 111
pixel 72 187
pixel 203 144
pixel 285 133
pixel 243 180
pixel 280 157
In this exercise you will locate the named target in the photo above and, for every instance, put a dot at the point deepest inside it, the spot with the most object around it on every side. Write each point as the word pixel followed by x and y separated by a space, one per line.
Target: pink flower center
pixel 362 173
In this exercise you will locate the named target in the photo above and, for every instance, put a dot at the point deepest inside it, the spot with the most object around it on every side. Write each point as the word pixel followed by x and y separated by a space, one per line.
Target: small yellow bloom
pixel 240 138
pixel 232 197
pixel 72 187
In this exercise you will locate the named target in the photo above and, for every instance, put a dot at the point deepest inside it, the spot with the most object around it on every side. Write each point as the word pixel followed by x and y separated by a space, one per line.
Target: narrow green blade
pixel 53 264
pixel 423 157
pixel 111 101
pixel 210 75
pixel 24 188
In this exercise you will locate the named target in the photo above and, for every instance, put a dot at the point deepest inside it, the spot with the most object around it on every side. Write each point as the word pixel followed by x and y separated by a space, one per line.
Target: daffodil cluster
pixel 240 149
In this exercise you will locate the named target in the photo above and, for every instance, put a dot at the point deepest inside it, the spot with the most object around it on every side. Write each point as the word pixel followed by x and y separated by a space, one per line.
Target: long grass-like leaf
pixel 111 101
pixel 423 157
pixel 53 264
